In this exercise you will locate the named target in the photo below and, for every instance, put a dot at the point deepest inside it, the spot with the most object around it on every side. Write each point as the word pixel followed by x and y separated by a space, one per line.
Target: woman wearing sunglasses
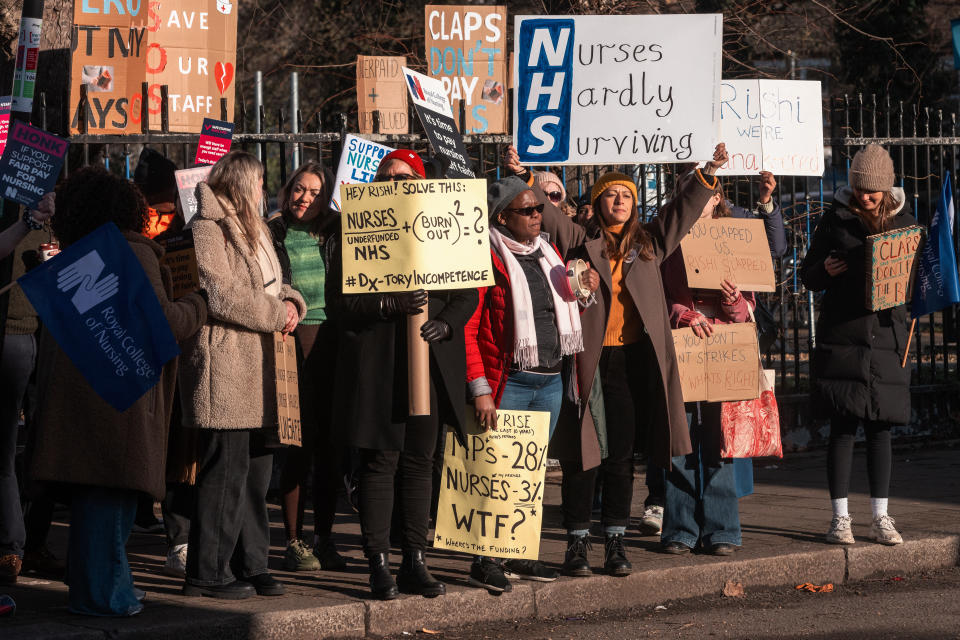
pixel 371 408
pixel 628 347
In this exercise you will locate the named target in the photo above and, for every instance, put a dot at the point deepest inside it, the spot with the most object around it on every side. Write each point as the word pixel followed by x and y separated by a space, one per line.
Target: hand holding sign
pixel 45 208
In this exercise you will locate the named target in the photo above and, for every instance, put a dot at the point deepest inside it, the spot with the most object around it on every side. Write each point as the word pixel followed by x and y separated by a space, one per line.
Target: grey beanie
pixel 502 192
pixel 872 169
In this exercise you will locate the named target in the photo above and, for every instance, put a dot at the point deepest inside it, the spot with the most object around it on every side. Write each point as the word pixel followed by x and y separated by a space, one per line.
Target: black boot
pixel 381 582
pixel 575 562
pixel 616 562
pixel 415 578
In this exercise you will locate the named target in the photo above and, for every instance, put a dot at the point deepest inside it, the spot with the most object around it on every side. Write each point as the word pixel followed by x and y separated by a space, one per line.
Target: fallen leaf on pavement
pixel 815 588
pixel 733 589
pixel 430 631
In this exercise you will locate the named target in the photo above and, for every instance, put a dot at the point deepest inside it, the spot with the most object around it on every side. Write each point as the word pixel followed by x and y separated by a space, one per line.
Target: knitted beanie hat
pixel 502 192
pixel 547 178
pixel 872 169
pixel 610 179
pixel 405 155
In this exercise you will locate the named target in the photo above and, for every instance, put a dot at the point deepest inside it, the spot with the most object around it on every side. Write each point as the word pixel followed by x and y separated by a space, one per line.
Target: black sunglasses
pixel 526 211
pixel 397 177
pixel 556 196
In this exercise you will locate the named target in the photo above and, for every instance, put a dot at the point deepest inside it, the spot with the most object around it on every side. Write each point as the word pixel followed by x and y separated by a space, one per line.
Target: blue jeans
pixel 701 492
pixel 19 354
pixel 98 573
pixel 525 391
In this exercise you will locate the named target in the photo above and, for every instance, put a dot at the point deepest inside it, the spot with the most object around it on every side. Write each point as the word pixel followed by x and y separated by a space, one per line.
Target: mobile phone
pixel 838 254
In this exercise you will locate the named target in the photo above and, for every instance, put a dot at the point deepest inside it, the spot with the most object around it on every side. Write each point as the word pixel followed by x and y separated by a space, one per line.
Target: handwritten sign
pixel 466 50
pixel 616 90
pixel 288 389
pixel 216 136
pixel 188 45
pixel 891 262
pixel 433 109
pixel 722 367
pixel 4 121
pixel 772 125
pixel 381 88
pixel 731 248
pixel 491 492
pixel 415 234
pixel 31 163
pixel 187 181
pixel 181 258
pixel 358 163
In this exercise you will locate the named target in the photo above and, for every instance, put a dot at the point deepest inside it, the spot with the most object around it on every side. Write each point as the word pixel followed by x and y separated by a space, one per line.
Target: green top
pixel 307 271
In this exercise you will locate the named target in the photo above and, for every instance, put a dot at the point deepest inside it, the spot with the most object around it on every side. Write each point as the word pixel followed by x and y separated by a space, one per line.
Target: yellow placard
pixel 415 234
pixel 722 367
pixel 731 248
pixel 891 261
pixel 491 492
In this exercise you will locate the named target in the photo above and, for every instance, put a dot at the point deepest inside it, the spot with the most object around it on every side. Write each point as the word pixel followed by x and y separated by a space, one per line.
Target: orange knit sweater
pixel 624 325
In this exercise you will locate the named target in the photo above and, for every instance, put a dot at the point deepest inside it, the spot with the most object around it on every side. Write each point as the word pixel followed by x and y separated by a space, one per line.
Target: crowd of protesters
pixel 599 359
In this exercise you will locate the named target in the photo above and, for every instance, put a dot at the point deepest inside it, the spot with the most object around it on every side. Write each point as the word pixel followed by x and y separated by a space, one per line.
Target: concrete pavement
pixel 783 526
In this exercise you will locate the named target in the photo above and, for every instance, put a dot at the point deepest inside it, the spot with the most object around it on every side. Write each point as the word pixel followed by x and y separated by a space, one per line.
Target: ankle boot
pixel 415 578
pixel 575 561
pixel 381 582
pixel 616 562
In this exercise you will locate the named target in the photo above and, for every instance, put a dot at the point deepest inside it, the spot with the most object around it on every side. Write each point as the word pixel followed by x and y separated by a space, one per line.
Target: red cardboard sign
pixel 215 139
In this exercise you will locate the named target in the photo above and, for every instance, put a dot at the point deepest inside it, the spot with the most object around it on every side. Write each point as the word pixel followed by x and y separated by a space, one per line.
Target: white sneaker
pixel 176 564
pixel 840 530
pixel 882 531
pixel 651 524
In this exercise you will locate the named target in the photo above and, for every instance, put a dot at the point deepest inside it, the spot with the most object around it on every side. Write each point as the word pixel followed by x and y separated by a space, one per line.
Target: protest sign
pixel 288 389
pixel 466 50
pixel 98 304
pixel 216 136
pixel 415 234
pixel 4 121
pixel 731 248
pixel 30 164
pixel 188 45
pixel 772 125
pixel 381 88
pixel 187 181
pixel 722 367
pixel 891 258
pixel 433 109
pixel 358 163
pixel 937 283
pixel 181 258
pixel 28 57
pixel 616 90
pixel 491 491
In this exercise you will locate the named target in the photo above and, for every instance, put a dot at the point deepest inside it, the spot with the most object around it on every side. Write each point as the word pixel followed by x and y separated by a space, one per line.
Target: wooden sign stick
pixel 7 288
pixel 418 366
pixel 906 352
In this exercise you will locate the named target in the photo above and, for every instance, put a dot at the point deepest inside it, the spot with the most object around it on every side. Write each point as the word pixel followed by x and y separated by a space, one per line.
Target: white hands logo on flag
pixel 84 274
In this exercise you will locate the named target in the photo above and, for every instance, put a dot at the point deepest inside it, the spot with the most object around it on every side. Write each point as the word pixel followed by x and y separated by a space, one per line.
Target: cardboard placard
pixel 358 163
pixel 627 89
pixel 772 125
pixel 30 164
pixel 491 492
pixel 433 109
pixel 216 136
pixel 732 248
pixel 466 50
pixel 4 121
pixel 187 181
pixel 188 45
pixel 381 87
pixel 181 258
pixel 415 234
pixel 891 266
pixel 722 367
pixel 288 389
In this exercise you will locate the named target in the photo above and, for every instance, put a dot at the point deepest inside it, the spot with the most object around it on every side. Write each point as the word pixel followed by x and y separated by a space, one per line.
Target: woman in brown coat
pixel 227 383
pixel 105 457
pixel 628 346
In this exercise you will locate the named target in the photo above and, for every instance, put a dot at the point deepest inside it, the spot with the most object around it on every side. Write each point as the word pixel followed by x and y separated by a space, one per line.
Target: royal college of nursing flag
pixel 937 286
pixel 98 304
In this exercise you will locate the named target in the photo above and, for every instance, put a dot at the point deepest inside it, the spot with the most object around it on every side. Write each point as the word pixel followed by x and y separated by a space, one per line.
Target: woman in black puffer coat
pixel 857 377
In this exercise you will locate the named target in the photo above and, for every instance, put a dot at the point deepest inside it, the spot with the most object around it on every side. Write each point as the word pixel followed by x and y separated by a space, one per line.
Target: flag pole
pixel 906 352
pixel 7 288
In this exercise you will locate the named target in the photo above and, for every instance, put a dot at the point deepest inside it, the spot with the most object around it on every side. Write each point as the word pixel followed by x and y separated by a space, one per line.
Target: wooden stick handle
pixel 7 288
pixel 906 352
pixel 418 366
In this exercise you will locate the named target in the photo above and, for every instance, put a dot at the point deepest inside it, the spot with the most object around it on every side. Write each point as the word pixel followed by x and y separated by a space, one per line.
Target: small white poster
pixel 358 163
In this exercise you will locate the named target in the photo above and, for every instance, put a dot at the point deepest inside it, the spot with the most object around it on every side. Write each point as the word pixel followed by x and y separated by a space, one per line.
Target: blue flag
pixel 100 307
pixel 937 285
pixel 955 33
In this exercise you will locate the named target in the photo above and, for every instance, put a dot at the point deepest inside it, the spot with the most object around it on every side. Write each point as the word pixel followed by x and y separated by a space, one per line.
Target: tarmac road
pixel 922 606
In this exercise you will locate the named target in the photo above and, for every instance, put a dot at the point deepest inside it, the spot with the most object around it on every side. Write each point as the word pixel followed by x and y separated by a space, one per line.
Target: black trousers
pixel 177 507
pixel 843 430
pixel 625 378
pixel 230 529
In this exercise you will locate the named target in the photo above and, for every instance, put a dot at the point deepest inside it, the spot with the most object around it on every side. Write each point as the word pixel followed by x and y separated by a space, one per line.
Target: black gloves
pixel 435 331
pixel 404 303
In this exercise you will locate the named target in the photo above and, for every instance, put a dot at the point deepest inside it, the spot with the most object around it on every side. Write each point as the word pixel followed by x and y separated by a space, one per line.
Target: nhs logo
pixel 544 79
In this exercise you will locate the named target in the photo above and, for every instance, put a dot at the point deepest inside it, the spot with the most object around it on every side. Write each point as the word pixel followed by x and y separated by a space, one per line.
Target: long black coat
pixel 856 364
pixel 370 402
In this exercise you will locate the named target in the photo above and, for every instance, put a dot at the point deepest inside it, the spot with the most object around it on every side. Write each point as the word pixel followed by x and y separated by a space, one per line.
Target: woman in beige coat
pixel 227 383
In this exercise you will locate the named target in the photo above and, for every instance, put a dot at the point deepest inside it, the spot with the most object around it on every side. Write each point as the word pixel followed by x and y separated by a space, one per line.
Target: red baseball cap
pixel 408 156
